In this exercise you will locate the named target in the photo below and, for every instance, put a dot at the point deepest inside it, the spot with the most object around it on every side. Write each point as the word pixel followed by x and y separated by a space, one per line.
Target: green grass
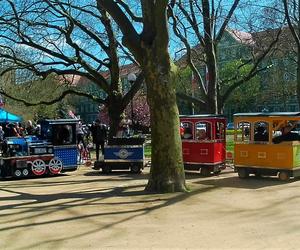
pixel 229 145
pixel 148 151
pixel 231 132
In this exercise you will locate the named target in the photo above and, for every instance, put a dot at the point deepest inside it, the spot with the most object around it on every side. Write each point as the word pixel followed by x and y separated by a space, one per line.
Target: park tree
pixel 137 110
pixel 36 91
pixel 66 38
pixel 291 10
pixel 201 26
pixel 148 40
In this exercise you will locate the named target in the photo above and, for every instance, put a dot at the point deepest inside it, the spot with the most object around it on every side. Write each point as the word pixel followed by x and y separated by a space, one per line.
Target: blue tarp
pixel 8 117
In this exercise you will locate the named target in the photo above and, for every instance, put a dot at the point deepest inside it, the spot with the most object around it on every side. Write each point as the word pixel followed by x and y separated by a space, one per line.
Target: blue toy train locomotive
pixel 53 151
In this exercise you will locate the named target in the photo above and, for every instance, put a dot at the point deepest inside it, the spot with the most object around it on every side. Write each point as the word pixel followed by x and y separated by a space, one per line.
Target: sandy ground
pixel 87 210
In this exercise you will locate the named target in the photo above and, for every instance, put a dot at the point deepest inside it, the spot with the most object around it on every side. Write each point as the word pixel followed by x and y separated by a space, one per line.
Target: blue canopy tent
pixel 8 117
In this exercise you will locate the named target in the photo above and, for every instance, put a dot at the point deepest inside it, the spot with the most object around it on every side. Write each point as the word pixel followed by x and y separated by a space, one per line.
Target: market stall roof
pixel 8 117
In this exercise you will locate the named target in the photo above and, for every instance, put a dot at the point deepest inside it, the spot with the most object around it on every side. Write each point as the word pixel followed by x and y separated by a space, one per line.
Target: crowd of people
pixel 18 129
pixel 88 136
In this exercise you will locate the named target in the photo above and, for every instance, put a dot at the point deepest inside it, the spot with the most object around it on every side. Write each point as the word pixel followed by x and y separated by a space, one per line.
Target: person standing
pixel 30 129
pixel 80 134
pixel 1 138
pixel 99 134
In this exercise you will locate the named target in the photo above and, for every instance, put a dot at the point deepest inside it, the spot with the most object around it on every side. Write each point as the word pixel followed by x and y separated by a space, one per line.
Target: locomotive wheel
pixel 284 176
pixel 243 173
pixel 135 169
pixel 25 172
pixel 38 167
pixel 55 166
pixel 205 171
pixel 106 169
pixel 18 173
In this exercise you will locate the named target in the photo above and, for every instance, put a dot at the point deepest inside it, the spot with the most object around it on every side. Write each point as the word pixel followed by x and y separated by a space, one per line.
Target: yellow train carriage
pixel 267 144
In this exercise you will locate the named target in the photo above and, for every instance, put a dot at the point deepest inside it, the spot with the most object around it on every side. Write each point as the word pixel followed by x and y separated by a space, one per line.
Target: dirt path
pixel 85 210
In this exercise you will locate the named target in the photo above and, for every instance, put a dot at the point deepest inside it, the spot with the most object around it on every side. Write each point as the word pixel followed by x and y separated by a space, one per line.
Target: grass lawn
pixel 229 143
pixel 148 151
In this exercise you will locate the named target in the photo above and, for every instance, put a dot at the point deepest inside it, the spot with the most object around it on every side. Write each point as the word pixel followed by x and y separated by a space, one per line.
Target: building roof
pixel 241 36
pixel 267 114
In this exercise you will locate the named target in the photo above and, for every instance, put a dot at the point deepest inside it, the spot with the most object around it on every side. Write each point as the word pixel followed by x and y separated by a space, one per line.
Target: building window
pixel 286 76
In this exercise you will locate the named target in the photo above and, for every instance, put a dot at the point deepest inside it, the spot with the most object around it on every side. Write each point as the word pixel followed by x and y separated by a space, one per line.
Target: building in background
pixel 274 89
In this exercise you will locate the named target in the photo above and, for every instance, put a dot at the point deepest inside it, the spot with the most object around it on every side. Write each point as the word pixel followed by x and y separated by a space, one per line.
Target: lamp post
pixel 131 79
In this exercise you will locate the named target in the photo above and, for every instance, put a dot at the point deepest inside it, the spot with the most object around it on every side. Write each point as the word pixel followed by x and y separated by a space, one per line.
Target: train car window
pixel 243 132
pixel 63 135
pixel 203 131
pixel 261 131
pixel 220 130
pixel 285 131
pixel 186 130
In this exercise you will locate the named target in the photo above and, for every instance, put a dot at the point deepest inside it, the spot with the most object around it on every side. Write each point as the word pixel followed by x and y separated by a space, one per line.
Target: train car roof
pixel 267 114
pixel 61 121
pixel 202 116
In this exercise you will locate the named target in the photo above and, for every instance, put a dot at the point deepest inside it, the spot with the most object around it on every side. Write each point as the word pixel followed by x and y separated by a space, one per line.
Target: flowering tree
pixel 141 112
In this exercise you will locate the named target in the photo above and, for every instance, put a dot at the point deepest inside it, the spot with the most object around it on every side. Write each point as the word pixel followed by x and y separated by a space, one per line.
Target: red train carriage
pixel 203 143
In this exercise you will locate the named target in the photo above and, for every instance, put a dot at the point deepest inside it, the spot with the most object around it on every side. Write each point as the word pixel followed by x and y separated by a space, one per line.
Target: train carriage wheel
pixel 55 166
pixel 243 173
pixel 106 169
pixel 17 173
pixel 135 169
pixel 38 167
pixel 284 176
pixel 25 172
pixel 205 171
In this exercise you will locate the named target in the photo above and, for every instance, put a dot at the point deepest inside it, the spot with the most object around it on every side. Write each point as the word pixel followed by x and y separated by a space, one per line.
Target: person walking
pixel 80 134
pixel 99 134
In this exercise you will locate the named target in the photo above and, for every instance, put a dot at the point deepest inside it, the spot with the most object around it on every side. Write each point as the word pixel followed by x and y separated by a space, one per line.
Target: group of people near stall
pixel 17 129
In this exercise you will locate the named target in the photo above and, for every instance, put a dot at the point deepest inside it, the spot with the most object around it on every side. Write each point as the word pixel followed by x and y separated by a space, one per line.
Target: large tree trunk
pixel 212 96
pixel 298 76
pixel 116 114
pixel 167 173
pixel 150 48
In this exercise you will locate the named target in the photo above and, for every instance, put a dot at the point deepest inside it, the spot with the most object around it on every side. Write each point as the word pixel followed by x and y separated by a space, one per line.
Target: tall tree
pixel 292 15
pixel 200 26
pixel 36 91
pixel 66 38
pixel 148 40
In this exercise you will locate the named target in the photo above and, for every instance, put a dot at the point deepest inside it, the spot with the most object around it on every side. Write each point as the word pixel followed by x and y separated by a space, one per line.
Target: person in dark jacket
pixel 99 134
pixel 287 135
pixel 261 134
